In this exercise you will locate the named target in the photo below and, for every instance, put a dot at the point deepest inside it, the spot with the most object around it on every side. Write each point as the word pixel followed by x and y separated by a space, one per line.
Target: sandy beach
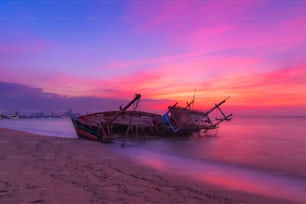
pixel 41 169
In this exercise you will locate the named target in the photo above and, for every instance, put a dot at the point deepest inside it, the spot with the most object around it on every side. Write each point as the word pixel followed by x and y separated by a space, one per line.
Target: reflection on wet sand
pixel 237 178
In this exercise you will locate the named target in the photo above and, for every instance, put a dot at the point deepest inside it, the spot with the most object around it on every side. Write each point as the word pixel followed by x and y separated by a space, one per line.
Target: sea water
pixel 259 155
pixel 270 143
pixel 59 127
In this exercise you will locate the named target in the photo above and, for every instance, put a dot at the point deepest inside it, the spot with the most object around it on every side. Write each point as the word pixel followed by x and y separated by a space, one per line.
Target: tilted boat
pixel 186 120
pixel 106 126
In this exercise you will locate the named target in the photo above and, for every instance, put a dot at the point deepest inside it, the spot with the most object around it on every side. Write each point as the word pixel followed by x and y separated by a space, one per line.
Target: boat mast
pixel 137 97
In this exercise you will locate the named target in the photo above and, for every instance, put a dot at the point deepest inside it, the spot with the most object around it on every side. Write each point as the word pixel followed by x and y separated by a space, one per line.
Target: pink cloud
pixel 214 78
pixel 279 87
pixel 283 35
pixel 276 37
pixel 201 29
pixel 217 26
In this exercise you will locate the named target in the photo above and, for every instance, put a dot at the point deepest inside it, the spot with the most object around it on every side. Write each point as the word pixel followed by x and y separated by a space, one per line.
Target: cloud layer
pixel 251 50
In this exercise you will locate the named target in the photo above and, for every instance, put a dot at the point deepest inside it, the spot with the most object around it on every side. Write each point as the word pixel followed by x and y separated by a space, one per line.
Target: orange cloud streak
pixel 283 87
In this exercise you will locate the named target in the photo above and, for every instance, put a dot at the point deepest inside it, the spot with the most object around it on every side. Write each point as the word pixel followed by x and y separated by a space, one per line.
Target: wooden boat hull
pixel 128 123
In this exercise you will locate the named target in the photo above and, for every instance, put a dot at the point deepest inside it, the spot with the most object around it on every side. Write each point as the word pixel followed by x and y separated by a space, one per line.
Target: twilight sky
pixel 251 50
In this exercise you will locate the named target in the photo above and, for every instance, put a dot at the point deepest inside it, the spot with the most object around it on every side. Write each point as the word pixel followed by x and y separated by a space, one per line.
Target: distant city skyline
pixel 95 55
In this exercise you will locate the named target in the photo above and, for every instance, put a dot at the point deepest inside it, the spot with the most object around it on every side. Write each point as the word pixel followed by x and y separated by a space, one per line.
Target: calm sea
pixel 265 156
pixel 60 127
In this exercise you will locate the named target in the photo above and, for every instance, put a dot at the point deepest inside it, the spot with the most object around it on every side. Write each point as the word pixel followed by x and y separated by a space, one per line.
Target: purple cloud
pixel 17 97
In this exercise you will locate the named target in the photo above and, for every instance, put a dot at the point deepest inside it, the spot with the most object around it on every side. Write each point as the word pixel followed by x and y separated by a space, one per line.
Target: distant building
pixel 68 113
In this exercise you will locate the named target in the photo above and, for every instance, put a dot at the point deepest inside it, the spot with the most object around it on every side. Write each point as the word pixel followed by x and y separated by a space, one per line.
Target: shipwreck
pixel 128 120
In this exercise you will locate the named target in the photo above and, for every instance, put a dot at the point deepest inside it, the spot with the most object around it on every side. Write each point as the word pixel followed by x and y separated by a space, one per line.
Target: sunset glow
pixel 253 51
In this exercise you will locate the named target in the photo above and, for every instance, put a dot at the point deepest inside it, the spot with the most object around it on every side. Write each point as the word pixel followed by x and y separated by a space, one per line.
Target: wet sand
pixel 40 169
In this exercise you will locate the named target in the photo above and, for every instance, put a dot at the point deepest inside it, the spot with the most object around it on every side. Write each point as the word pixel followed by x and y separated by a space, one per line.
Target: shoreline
pixel 40 169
